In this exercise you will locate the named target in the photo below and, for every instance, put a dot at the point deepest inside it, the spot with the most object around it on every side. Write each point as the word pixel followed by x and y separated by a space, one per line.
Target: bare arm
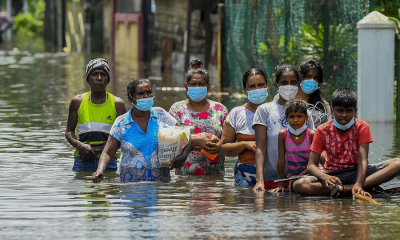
pixel 323 154
pixel 362 169
pixel 120 106
pixel 199 140
pixel 230 147
pixel 108 153
pixel 281 161
pixel 312 168
pixel 281 156
pixel 84 149
pixel 261 152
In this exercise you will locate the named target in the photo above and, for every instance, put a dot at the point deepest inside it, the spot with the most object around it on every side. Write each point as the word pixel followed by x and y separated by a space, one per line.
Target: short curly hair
pixel 295 105
pixel 131 87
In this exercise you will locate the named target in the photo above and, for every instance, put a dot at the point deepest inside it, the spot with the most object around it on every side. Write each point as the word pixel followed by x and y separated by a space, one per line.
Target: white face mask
pixel 288 92
pixel 299 131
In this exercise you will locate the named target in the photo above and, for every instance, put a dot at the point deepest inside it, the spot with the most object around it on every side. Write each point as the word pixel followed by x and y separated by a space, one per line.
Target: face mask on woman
pixel 197 93
pixel 288 92
pixel 144 104
pixel 309 86
pixel 257 96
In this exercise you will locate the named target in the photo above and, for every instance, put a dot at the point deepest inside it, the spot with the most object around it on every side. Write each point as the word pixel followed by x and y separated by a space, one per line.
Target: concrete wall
pixel 375 86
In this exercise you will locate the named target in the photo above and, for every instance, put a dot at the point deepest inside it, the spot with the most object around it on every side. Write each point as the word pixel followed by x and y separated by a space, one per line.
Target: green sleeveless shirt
pixel 95 120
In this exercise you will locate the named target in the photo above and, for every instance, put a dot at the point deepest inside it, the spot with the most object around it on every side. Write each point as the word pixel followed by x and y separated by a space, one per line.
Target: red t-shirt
pixel 341 149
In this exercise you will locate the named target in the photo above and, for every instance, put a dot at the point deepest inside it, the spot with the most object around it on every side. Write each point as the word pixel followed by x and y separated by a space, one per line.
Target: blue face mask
pixel 297 132
pixel 197 93
pixel 144 104
pixel 343 127
pixel 309 86
pixel 257 96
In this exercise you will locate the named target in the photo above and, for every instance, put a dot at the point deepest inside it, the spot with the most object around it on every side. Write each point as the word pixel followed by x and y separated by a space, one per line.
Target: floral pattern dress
pixel 139 160
pixel 208 122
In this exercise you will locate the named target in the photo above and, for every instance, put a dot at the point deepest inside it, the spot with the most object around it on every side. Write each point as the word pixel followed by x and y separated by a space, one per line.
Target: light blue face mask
pixel 144 104
pixel 257 96
pixel 309 86
pixel 197 93
pixel 299 131
pixel 343 127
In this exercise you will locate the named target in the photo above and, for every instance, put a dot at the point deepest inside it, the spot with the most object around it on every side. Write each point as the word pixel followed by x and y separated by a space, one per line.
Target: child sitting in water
pixel 346 142
pixel 294 142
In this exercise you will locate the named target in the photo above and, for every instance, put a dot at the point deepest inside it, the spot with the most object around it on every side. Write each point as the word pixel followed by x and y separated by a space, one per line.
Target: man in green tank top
pixel 93 112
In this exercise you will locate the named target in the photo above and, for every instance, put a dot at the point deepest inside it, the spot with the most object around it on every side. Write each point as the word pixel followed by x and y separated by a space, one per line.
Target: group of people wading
pixel 294 135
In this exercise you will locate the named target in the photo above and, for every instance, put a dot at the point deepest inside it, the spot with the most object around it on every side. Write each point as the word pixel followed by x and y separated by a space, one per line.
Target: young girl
pixel 311 78
pixel 268 120
pixel 294 142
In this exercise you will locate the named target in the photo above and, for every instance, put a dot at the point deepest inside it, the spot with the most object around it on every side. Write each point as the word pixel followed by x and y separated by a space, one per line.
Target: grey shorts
pixel 350 177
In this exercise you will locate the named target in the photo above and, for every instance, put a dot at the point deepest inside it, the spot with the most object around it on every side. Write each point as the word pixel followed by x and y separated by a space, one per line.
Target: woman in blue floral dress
pixel 136 134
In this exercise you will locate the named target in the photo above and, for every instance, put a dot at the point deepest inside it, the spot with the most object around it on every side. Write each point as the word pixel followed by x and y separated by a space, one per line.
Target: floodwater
pixel 41 198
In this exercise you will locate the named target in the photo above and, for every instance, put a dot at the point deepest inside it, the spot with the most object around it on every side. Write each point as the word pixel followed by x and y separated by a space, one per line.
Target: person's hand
pixel 358 189
pixel 86 152
pixel 212 148
pixel 97 177
pixel 212 138
pixel 250 145
pixel 259 187
pixel 98 148
pixel 278 189
pixel 290 186
pixel 201 140
pixel 181 158
pixel 332 181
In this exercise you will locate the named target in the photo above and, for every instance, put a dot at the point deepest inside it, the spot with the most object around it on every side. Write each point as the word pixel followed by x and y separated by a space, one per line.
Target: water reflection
pixel 42 197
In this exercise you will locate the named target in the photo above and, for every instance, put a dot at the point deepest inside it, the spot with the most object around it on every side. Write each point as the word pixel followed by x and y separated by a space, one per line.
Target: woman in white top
pixel 269 119
pixel 238 137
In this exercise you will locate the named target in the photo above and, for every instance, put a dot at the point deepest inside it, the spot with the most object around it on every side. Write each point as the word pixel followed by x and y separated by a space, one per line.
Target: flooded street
pixel 41 198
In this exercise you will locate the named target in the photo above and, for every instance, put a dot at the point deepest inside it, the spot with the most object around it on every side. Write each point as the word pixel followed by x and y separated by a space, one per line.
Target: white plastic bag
pixel 171 141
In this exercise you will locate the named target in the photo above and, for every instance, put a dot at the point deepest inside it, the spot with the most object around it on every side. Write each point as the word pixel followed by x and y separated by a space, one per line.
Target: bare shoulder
pixel 118 100
pixel 76 101
pixel 119 105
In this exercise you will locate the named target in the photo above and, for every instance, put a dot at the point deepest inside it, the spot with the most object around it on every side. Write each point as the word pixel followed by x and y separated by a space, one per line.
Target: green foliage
pixel 309 43
pixel 387 7
pixel 30 25
pixel 396 24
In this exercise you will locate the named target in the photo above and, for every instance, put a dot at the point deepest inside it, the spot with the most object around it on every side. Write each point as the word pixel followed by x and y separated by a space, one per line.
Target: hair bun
pixel 196 63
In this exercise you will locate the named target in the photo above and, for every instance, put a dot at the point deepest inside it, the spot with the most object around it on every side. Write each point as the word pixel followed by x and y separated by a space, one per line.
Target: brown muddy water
pixel 41 198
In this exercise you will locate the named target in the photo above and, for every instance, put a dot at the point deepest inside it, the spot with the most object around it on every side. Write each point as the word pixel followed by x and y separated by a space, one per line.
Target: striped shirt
pixel 297 154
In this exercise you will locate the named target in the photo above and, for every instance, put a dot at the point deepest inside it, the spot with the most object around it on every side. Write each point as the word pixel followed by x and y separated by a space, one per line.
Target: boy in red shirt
pixel 346 143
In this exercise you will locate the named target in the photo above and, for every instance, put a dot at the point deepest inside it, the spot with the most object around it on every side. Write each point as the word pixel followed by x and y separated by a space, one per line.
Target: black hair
pixel 252 72
pixel 295 105
pixel 195 63
pixel 305 66
pixel 196 68
pixel 131 87
pixel 309 64
pixel 344 97
pixel 280 69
